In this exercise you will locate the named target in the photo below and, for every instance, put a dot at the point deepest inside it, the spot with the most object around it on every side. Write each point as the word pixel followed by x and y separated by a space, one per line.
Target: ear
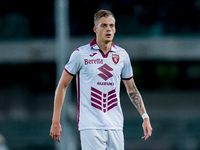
pixel 95 29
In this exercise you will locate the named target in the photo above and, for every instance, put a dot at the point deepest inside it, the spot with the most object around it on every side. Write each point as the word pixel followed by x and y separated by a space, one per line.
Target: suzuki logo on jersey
pixel 105 72
pixel 103 101
pixel 115 58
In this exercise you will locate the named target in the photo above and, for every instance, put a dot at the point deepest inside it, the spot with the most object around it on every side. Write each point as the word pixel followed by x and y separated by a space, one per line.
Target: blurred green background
pixel 162 39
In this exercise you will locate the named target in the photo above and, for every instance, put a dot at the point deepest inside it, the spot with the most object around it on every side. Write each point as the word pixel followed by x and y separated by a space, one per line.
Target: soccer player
pixel 99 68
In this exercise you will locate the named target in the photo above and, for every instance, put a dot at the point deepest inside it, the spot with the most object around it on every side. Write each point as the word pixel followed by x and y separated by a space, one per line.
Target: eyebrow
pixel 106 24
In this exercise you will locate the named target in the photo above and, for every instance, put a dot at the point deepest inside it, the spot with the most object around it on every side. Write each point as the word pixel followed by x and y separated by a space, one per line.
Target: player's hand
pixel 146 128
pixel 55 131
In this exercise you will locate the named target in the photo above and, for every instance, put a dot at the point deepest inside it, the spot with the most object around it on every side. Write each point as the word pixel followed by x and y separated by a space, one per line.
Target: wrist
pixel 55 121
pixel 145 115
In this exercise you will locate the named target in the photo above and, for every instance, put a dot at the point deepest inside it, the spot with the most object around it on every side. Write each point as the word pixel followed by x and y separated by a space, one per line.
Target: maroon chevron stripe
pixel 96 106
pixel 103 101
pixel 96 91
pixel 110 107
pixel 111 92
pixel 112 101
pixel 95 95
pixel 112 96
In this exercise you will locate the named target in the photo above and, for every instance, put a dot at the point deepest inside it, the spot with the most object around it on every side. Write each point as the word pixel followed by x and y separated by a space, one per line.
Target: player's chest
pixel 96 63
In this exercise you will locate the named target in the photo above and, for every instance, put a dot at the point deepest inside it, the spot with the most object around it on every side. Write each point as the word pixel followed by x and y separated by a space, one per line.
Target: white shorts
pixel 102 139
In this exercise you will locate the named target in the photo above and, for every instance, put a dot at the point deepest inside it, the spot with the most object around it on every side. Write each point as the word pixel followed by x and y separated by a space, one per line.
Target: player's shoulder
pixel 80 50
pixel 121 50
pixel 83 48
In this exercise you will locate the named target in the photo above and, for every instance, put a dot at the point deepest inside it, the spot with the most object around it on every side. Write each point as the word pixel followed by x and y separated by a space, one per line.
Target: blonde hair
pixel 102 13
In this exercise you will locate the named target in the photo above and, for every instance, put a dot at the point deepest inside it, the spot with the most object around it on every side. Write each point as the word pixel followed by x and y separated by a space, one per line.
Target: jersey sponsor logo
pixel 115 58
pixel 93 61
pixel 106 83
pixel 105 69
pixel 93 54
pixel 103 101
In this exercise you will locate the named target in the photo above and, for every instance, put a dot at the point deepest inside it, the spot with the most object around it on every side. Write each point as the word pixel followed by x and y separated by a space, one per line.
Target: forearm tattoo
pixel 136 99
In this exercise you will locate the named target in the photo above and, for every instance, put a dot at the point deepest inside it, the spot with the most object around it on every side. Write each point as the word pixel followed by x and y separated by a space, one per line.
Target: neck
pixel 104 46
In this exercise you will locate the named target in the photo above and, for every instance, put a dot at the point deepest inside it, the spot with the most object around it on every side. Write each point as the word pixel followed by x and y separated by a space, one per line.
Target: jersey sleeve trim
pixel 69 72
pixel 127 78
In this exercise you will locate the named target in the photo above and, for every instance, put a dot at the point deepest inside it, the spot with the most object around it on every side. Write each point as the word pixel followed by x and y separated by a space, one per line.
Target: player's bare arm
pixel 134 95
pixel 137 101
pixel 56 129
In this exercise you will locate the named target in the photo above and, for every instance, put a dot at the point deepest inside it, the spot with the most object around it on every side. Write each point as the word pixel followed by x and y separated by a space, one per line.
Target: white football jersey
pixel 98 85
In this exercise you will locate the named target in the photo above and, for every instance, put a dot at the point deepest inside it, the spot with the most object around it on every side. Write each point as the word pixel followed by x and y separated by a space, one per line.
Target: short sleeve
pixel 127 70
pixel 74 63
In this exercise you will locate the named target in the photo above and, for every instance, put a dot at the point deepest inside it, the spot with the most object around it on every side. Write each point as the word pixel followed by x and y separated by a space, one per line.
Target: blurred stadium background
pixel 163 40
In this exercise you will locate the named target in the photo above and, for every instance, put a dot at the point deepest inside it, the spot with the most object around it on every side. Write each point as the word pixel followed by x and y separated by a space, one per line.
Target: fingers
pixel 147 132
pixel 55 132
pixel 56 137
pixel 146 136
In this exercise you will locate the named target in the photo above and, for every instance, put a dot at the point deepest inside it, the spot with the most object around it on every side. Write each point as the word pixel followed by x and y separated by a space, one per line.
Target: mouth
pixel 108 35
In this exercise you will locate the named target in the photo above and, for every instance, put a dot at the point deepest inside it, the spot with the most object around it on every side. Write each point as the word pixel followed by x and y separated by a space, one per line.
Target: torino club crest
pixel 115 58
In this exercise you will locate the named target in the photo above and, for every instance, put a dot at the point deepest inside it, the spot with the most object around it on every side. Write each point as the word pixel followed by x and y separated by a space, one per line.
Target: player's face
pixel 105 29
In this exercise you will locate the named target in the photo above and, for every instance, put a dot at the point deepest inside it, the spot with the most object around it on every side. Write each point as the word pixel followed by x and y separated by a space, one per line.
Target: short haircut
pixel 102 13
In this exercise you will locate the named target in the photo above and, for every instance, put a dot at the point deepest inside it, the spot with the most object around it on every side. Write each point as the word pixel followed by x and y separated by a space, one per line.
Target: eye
pixel 103 25
pixel 112 25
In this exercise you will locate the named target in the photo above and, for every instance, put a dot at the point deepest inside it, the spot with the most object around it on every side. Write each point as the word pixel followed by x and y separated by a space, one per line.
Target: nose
pixel 108 28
